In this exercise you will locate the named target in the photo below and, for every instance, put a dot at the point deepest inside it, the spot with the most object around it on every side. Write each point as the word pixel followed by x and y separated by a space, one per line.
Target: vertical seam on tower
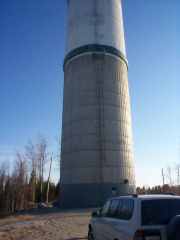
pixel 101 100
pixel 102 123
pixel 95 27
pixel 71 131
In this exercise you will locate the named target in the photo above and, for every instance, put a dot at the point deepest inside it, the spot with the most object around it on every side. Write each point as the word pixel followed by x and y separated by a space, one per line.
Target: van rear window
pixel 159 211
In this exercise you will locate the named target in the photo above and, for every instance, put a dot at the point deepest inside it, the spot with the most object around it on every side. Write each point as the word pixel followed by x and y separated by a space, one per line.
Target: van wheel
pixel 173 229
pixel 90 235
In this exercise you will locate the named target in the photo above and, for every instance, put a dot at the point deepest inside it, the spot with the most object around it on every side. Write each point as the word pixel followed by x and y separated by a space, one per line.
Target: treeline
pixel 170 180
pixel 24 186
pixel 165 189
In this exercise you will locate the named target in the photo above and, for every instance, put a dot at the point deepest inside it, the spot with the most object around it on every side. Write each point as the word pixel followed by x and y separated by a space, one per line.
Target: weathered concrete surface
pixel 97 143
pixel 95 21
pixel 97 147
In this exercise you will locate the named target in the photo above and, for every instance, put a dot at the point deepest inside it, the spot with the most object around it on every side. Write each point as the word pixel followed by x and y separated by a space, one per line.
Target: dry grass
pixel 15 233
pixel 49 225
pixel 16 218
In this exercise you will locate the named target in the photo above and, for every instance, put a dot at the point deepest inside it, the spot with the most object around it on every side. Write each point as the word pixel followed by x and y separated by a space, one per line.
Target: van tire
pixel 90 234
pixel 173 229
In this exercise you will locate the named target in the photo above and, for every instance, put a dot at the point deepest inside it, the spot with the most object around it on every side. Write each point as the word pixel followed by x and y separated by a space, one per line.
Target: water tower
pixel 97 150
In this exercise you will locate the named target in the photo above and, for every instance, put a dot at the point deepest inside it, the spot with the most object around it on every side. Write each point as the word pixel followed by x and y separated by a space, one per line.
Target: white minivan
pixel 137 217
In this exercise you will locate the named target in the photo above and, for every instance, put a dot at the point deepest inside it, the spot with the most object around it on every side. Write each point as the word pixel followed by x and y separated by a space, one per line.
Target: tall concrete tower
pixel 97 149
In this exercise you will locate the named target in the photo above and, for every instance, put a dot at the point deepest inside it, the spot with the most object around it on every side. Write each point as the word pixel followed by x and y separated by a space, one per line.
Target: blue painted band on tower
pixel 95 48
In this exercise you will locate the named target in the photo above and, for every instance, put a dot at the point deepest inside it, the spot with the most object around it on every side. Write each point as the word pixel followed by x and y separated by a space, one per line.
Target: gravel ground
pixel 51 223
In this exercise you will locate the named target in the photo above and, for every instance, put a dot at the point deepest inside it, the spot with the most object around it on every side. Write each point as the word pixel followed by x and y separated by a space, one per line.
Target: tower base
pixel 91 195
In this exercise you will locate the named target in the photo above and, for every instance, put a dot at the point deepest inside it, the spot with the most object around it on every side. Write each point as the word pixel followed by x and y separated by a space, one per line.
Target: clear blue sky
pixel 32 46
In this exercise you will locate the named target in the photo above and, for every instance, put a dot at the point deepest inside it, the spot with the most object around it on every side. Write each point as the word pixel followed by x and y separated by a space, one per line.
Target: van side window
pixel 104 209
pixel 113 210
pixel 127 208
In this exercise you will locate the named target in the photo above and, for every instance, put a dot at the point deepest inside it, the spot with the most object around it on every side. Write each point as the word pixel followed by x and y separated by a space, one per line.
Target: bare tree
pixel 21 170
pixel 169 176
pixel 177 168
pixel 163 178
pixel 14 190
pixel 47 192
pixel 4 172
pixel 32 157
pixel 58 139
pixel 42 155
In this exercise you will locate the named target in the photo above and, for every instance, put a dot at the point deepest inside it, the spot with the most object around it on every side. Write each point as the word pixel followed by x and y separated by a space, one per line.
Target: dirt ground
pixel 53 223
